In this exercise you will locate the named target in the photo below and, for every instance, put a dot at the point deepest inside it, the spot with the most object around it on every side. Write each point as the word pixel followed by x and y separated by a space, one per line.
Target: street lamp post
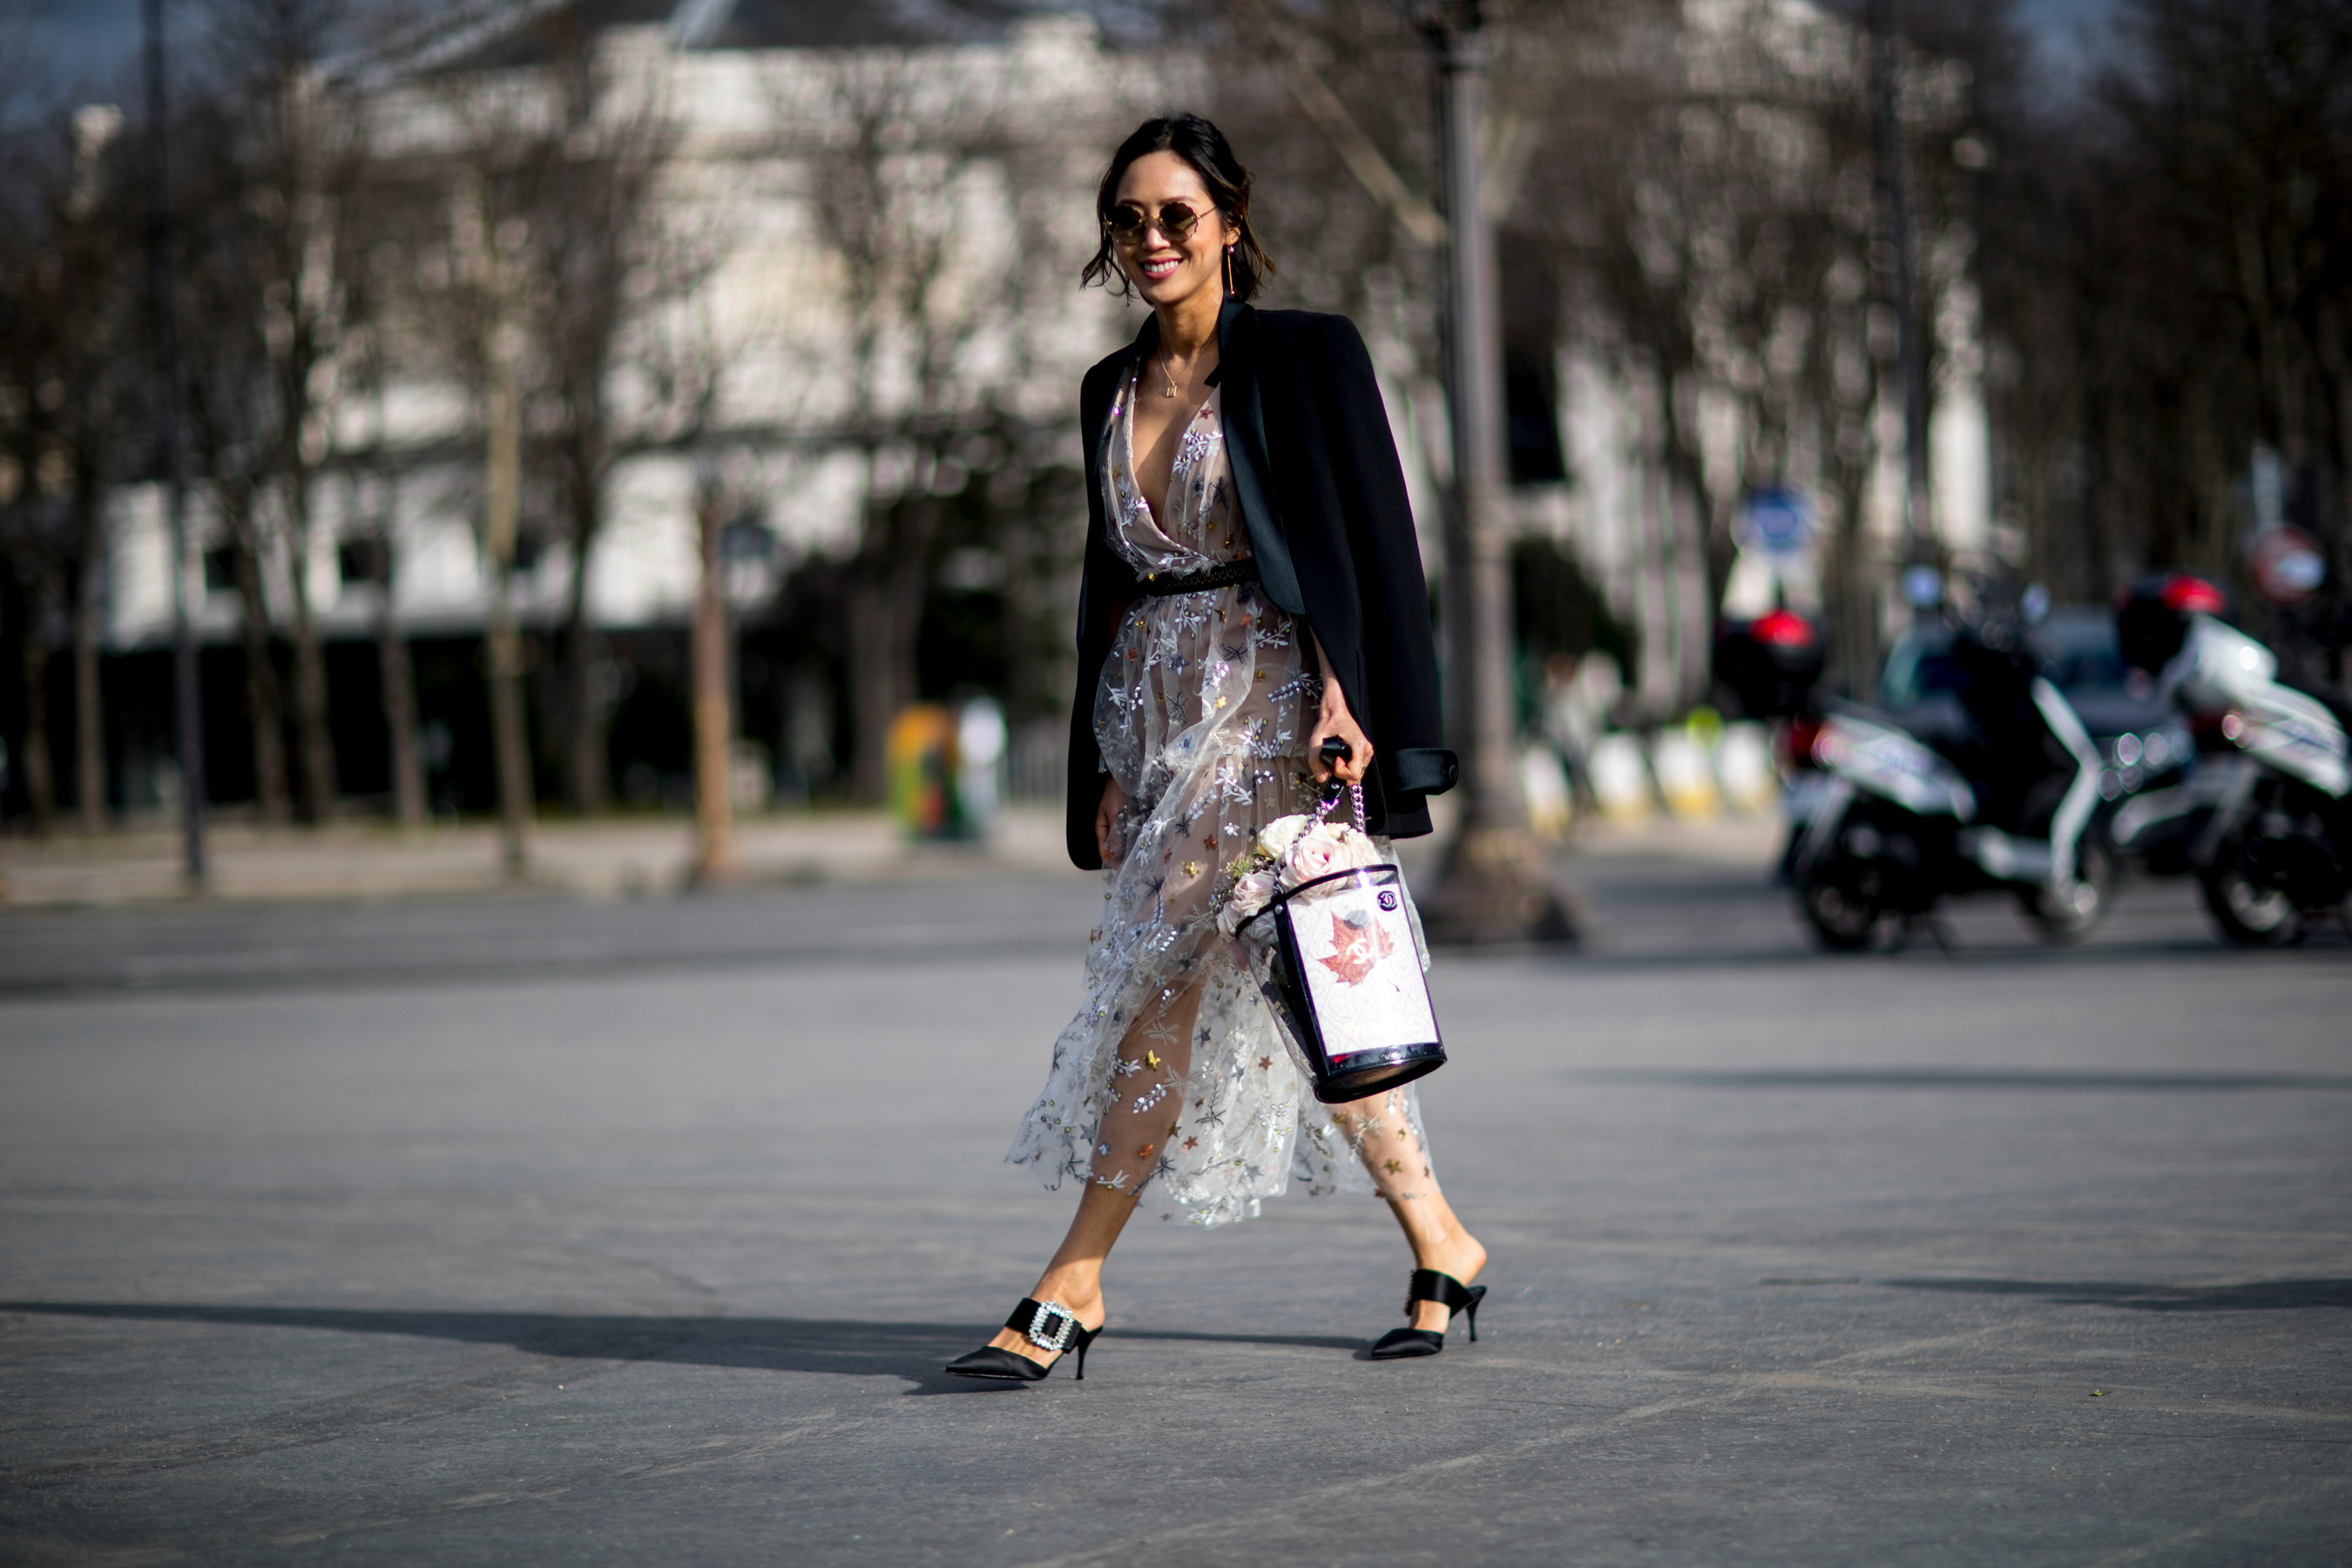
pixel 187 693
pixel 1495 886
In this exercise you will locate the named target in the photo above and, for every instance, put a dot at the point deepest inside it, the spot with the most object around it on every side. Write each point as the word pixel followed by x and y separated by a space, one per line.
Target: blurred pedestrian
pixel 1253 588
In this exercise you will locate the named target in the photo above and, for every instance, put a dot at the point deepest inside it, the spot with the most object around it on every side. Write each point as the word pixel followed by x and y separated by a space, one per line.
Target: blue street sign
pixel 1777 522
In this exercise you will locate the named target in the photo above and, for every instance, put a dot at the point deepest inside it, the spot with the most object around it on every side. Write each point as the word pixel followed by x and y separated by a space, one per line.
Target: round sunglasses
pixel 1127 222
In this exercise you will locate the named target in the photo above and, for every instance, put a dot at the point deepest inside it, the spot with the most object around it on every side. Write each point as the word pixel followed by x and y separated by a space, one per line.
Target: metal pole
pixel 187 691
pixel 1919 498
pixel 1495 887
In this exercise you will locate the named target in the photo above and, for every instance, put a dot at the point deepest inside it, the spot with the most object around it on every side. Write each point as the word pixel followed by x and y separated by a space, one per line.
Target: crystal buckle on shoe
pixel 1056 1338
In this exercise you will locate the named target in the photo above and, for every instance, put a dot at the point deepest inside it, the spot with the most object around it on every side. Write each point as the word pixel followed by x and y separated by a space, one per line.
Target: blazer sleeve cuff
pixel 1424 770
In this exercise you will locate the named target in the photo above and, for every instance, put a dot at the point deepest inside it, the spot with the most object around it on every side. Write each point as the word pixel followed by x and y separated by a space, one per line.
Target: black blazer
pixel 1316 479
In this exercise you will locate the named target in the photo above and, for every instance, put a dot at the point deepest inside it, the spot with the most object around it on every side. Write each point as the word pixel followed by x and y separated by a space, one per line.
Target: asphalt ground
pixel 519 1230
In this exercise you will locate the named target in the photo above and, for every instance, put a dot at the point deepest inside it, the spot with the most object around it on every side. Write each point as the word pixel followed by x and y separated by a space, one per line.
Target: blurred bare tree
pixel 275 148
pixel 71 417
pixel 910 290
pixel 2173 287
pixel 621 355
pixel 380 210
pixel 569 295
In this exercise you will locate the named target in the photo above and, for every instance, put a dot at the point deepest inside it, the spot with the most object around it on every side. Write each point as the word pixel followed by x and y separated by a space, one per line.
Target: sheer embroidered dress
pixel 1173 1078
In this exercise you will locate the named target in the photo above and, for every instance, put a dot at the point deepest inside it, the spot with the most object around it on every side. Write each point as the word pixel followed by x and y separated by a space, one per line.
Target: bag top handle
pixel 1336 750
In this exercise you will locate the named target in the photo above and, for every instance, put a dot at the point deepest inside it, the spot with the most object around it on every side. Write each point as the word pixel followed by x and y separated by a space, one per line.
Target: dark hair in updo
pixel 1204 147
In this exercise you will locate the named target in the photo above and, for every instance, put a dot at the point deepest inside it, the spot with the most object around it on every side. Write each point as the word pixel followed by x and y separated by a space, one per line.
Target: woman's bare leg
pixel 1383 1138
pixel 1075 1277
pixel 1157 1051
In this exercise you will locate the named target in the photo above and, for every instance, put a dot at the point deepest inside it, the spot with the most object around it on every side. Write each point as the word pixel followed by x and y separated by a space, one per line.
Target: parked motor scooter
pixel 1899 825
pixel 2266 812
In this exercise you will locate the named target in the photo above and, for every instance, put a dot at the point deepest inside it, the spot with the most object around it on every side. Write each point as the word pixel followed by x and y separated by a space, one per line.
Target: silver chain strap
pixel 1356 794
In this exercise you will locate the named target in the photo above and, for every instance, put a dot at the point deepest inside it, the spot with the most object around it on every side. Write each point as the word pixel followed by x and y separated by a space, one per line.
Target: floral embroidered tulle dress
pixel 1202 713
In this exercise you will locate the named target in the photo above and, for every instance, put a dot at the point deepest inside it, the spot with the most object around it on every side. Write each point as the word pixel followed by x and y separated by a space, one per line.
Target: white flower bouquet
pixel 1288 853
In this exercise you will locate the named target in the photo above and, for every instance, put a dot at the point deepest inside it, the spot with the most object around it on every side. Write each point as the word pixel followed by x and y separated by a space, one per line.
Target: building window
pixel 355 561
pixel 220 570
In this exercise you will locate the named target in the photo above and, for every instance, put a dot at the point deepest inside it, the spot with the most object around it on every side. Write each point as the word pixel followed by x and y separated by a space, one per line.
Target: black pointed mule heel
pixel 1429 1285
pixel 1049 1326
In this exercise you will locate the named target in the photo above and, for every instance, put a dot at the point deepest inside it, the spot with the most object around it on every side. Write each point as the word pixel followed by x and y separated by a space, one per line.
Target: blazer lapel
pixel 1098 418
pixel 1246 454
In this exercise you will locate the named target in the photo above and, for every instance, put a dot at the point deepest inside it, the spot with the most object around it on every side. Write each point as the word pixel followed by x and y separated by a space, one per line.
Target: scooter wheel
pixel 2248 913
pixel 1841 914
pixel 2062 919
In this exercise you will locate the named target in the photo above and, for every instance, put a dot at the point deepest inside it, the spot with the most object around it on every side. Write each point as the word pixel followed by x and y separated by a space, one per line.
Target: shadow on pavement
pixel 848 1347
pixel 1961 1077
pixel 2260 1296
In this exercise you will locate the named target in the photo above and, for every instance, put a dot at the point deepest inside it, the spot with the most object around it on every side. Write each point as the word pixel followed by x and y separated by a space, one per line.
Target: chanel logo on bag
pixel 1387 900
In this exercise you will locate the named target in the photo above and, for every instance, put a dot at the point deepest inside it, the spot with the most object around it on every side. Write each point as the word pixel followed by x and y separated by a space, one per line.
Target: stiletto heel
pixel 1048 1325
pixel 1429 1285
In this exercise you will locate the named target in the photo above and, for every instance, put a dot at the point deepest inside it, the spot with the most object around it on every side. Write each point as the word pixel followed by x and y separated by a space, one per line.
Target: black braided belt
pixel 1158 585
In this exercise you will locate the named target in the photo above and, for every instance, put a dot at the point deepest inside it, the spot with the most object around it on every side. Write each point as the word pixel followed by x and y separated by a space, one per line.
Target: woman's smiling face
pixel 1163 269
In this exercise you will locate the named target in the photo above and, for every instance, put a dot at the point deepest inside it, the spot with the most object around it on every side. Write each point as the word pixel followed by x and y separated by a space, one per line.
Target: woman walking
pixel 1252 590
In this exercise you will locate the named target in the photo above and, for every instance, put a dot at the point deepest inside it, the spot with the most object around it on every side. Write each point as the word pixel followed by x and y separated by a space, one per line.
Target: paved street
pixel 515 1230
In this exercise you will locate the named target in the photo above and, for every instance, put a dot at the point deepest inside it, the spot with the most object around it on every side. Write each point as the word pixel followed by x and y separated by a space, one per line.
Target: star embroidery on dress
pixel 1392 1167
pixel 1191 1144
pixel 1145 1152
pixel 1264 1063
pixel 1152 1058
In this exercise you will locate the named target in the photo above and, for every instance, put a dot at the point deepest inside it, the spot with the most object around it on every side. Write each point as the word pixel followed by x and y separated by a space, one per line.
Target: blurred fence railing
pixel 1040 761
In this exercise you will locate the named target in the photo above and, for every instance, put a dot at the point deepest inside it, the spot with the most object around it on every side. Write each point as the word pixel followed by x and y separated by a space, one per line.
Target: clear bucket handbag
pixel 1340 965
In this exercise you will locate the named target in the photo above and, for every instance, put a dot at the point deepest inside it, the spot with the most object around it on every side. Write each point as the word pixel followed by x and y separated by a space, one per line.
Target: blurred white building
pixel 1047 96
pixel 1000 129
